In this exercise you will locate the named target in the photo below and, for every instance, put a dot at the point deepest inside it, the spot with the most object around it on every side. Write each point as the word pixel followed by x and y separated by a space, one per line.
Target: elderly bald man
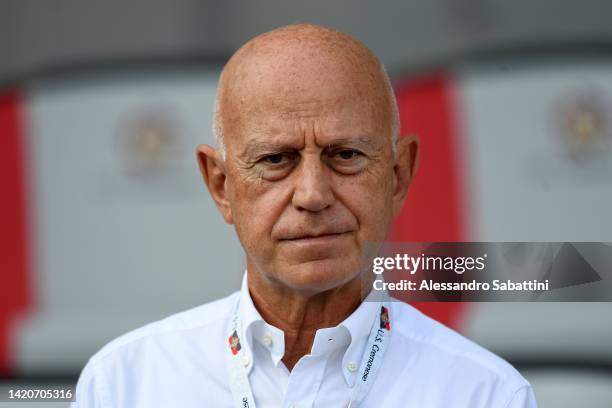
pixel 310 170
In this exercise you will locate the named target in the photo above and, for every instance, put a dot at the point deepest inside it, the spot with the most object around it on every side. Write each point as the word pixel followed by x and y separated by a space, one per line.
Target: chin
pixel 320 275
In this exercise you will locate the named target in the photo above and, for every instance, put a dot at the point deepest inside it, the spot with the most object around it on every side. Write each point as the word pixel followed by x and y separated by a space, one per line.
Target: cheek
pixel 370 201
pixel 256 206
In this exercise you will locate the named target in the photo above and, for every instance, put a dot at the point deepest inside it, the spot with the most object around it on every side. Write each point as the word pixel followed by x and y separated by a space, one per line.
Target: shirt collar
pixel 359 323
pixel 255 328
pixel 352 333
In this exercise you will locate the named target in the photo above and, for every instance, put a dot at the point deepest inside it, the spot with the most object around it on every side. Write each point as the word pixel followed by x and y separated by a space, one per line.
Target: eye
pixel 275 166
pixel 348 161
pixel 347 154
pixel 273 158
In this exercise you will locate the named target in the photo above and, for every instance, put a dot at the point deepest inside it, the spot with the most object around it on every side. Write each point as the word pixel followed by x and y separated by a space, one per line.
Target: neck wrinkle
pixel 299 316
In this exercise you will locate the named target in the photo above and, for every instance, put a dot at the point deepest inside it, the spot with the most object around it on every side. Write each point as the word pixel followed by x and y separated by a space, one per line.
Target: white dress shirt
pixel 181 361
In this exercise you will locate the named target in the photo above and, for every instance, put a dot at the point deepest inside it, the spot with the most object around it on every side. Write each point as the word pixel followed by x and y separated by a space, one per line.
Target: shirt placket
pixel 305 382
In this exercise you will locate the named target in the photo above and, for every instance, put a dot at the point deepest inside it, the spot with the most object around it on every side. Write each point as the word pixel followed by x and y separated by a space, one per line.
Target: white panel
pixel 531 180
pixel 525 184
pixel 126 231
pixel 544 331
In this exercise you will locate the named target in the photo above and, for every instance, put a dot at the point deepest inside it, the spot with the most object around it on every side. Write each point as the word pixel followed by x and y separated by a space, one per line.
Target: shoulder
pixel 161 351
pixel 445 351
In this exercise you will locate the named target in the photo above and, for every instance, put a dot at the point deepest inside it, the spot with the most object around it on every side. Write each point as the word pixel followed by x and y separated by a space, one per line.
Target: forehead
pixel 272 92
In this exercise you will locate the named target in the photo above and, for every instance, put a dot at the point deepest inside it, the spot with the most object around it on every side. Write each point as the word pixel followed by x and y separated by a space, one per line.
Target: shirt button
pixel 246 361
pixel 267 340
pixel 351 366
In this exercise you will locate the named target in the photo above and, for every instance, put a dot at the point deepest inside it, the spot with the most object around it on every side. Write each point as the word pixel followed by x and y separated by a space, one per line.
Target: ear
pixel 406 162
pixel 212 167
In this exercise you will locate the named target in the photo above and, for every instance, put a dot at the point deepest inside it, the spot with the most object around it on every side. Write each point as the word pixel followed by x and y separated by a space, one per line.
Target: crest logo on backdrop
pixel 583 123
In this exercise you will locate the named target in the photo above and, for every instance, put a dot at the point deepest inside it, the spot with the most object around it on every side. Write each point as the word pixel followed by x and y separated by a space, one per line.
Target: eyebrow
pixel 257 148
pixel 357 142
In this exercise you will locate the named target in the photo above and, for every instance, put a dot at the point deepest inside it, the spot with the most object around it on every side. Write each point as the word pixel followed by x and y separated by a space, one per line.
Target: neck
pixel 300 314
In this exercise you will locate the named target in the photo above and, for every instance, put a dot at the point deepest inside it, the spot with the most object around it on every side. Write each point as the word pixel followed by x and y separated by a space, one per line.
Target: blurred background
pixel 105 224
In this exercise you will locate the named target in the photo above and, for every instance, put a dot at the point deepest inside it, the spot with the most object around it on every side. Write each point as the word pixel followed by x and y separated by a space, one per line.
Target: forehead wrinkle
pixel 307 108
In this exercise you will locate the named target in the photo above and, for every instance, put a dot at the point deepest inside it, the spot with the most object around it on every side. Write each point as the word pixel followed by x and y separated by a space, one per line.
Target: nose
pixel 313 190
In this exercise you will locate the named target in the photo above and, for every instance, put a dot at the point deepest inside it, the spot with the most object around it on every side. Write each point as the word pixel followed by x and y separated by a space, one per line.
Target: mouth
pixel 320 238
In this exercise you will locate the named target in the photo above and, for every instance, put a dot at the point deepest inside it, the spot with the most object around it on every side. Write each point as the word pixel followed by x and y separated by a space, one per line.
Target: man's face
pixel 309 172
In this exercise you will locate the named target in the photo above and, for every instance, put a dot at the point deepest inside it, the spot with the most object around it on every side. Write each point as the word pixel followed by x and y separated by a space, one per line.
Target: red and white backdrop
pixel 105 224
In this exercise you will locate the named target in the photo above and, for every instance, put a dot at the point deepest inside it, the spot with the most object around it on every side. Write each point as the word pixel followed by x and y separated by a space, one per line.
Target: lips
pixel 313 235
pixel 313 229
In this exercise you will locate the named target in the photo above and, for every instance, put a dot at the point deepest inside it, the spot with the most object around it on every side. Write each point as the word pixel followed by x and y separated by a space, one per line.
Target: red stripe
pixel 14 251
pixel 435 209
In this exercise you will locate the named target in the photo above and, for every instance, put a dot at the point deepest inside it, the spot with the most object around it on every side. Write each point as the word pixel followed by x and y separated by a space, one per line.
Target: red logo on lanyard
pixel 234 343
pixel 384 318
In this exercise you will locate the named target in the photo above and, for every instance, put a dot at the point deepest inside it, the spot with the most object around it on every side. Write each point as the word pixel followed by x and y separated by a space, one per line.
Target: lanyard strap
pixel 238 362
pixel 371 360
pixel 373 355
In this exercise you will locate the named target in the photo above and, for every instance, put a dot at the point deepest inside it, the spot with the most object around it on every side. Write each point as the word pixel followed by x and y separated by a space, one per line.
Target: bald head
pixel 294 63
